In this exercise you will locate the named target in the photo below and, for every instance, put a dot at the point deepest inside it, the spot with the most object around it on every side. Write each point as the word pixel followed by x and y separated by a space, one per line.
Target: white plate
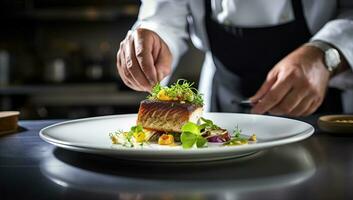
pixel 91 135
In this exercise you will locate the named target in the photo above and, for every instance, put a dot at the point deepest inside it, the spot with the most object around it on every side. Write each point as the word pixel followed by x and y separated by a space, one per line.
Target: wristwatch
pixel 332 57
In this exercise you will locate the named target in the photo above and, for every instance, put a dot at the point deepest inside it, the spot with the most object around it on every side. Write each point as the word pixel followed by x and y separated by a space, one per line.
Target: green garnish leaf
pixel 200 141
pixel 136 129
pixel 208 124
pixel 191 135
pixel 191 127
pixel 188 139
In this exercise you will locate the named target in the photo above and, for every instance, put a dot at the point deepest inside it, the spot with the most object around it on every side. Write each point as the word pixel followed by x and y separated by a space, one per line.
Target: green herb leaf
pixel 191 135
pixel 191 127
pixel 207 121
pixel 200 141
pixel 208 124
pixel 136 129
pixel 188 139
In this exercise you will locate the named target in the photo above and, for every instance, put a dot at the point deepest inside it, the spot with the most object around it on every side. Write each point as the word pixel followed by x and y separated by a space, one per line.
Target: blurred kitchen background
pixel 57 58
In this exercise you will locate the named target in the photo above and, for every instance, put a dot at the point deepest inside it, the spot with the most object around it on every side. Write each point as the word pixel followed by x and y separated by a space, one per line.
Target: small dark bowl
pixel 8 122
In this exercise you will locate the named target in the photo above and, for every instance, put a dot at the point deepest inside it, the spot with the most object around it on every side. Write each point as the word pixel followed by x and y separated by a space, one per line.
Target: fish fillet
pixel 167 116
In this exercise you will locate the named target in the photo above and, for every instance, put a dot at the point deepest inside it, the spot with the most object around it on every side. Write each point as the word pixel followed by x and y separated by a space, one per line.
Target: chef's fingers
pixel 143 51
pixel 118 62
pixel 275 94
pixel 266 86
pixel 122 69
pixel 290 101
pixel 302 107
pixel 163 63
pixel 124 73
pixel 119 65
pixel 133 66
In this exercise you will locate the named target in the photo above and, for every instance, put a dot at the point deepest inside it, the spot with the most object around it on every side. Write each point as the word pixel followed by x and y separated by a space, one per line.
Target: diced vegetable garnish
pixel 140 136
pixel 114 139
pixel 252 138
pixel 166 139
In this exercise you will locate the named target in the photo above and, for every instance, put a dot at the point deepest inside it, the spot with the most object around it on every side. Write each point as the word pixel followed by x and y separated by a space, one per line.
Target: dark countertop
pixel 320 167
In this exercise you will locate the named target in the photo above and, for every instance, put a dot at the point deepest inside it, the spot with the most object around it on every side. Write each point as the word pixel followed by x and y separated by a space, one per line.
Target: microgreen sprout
pixel 182 91
pixel 237 132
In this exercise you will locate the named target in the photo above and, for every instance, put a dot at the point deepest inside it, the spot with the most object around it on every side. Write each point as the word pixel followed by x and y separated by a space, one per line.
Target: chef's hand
pixel 143 59
pixel 296 86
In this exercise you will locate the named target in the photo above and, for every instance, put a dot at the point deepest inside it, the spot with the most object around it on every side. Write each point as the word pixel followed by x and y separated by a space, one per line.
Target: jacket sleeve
pixel 167 18
pixel 339 31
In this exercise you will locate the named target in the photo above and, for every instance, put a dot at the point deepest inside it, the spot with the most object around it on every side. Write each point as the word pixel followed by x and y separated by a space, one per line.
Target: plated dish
pixel 176 131
pixel 172 116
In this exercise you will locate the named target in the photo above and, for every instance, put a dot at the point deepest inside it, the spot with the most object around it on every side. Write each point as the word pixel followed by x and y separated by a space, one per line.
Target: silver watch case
pixel 332 57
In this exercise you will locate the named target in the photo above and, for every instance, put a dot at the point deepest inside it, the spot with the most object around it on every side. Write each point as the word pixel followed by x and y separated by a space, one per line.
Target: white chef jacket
pixel 328 20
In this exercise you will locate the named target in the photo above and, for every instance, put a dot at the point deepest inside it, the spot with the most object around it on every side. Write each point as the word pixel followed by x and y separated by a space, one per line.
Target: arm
pixel 296 86
pixel 339 33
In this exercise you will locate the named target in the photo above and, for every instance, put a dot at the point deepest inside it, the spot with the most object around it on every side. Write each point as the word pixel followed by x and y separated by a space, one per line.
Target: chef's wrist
pixel 333 59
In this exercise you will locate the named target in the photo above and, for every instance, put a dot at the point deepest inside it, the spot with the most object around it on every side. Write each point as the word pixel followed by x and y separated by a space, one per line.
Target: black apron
pixel 244 56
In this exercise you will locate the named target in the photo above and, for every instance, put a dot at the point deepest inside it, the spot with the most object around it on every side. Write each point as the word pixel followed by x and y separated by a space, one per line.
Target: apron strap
pixel 298 9
pixel 208 8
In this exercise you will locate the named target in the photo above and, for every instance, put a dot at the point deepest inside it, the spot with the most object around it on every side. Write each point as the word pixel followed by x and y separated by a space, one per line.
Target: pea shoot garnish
pixel 181 91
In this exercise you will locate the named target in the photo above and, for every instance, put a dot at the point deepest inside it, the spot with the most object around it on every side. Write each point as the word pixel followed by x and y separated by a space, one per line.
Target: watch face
pixel 332 59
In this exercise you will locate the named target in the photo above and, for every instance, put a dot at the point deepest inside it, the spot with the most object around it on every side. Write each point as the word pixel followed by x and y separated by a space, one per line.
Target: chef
pixel 287 56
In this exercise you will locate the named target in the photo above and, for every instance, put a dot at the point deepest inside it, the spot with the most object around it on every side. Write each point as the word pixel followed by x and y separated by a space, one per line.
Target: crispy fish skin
pixel 167 116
